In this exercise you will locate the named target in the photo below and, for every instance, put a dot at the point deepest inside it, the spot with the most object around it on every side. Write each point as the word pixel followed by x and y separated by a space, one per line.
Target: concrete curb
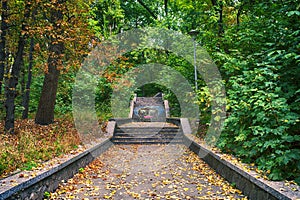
pixel 132 102
pixel 167 108
pixel 251 186
pixel 48 180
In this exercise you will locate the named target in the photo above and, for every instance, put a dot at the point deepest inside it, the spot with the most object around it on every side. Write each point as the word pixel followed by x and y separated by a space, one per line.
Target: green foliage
pixel 107 17
pixel 29 165
pixel 260 122
pixel 81 170
pixel 63 103
pixel 258 56
pixel 47 194
pixel 203 100
pixel 261 68
pixel 136 16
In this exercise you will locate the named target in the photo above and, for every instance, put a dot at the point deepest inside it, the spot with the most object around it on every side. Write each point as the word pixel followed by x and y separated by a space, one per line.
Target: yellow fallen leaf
pixel 166 182
pixel 113 192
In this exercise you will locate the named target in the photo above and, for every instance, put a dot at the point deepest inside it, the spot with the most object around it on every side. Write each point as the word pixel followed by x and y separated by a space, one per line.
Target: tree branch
pixel 147 8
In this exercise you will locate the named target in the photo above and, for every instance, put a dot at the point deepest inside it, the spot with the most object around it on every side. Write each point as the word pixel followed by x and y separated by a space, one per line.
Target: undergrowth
pixel 33 144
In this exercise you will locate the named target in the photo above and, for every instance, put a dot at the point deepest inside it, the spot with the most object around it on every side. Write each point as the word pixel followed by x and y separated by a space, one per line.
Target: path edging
pixel 48 181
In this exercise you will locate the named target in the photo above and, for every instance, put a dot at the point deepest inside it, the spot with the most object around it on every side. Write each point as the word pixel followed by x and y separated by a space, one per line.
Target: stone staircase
pixel 147 133
pixel 149 109
pixel 148 123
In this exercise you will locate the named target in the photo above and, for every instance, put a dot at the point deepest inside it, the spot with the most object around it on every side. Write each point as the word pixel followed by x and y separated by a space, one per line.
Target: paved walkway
pixel 147 172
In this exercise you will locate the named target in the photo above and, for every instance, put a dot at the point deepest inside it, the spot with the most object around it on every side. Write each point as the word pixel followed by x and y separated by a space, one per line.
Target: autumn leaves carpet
pixel 147 172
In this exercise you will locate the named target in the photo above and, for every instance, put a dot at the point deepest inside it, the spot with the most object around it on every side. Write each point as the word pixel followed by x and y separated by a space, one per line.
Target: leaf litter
pixel 147 172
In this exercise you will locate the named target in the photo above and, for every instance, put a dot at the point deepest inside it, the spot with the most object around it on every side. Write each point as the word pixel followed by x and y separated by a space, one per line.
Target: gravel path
pixel 147 172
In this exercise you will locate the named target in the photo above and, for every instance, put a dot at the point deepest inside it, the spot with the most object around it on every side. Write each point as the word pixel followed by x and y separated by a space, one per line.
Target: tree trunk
pixel 221 28
pixel 3 55
pixel 45 112
pixel 12 80
pixel 26 96
pixel 22 76
pixel 167 13
pixel 10 89
pixel 218 6
pixel 238 15
pixel 166 7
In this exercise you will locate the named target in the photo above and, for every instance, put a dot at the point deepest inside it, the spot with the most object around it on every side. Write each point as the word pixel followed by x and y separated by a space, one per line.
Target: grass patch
pixel 33 144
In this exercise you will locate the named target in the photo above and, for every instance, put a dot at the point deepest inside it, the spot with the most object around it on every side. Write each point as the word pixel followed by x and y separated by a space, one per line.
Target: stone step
pixel 148 124
pixel 146 130
pixel 144 134
pixel 148 136
pixel 146 140
pixel 149 101
pixel 147 133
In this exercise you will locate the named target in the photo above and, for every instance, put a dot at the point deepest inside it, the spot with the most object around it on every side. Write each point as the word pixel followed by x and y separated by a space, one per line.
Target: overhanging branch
pixel 147 8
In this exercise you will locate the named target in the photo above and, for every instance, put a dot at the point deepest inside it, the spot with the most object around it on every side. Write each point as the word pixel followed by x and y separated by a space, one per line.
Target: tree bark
pixel 221 27
pixel 45 112
pixel 12 80
pixel 218 5
pixel 166 7
pixel 238 15
pixel 148 9
pixel 26 96
pixel 167 13
pixel 10 89
pixel 3 55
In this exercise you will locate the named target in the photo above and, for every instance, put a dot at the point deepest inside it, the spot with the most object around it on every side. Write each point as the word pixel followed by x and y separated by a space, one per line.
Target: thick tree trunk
pixel 3 41
pixel 45 112
pixel 26 96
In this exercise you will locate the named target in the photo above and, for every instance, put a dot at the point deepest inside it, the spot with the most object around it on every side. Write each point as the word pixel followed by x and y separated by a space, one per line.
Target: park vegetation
pixel 254 43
